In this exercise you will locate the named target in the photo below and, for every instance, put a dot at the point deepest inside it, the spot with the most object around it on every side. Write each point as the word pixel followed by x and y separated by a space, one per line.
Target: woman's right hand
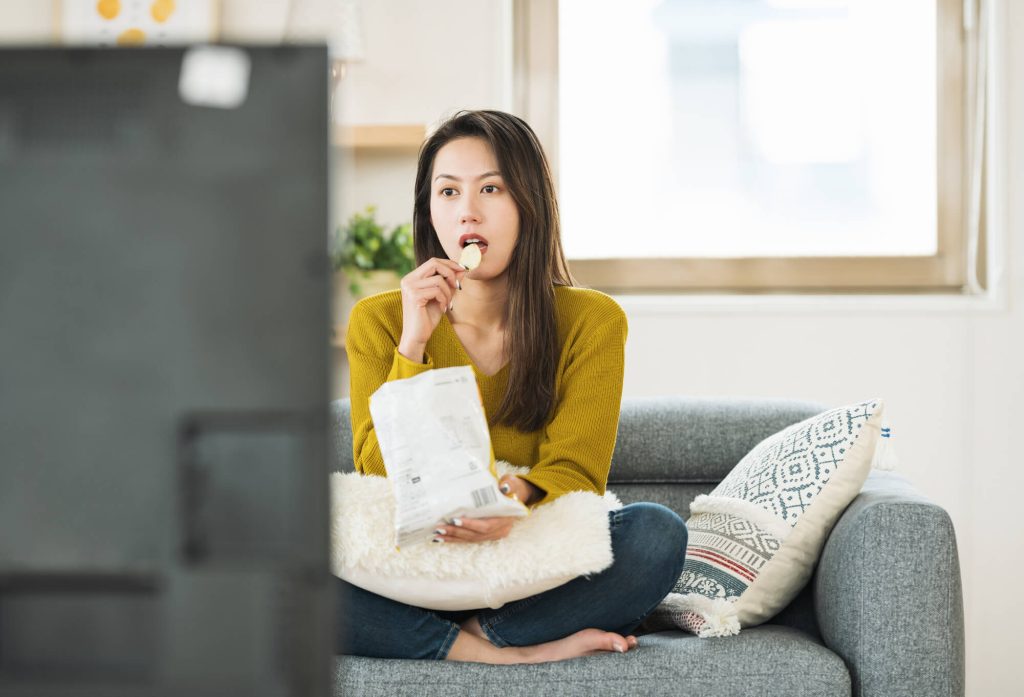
pixel 427 292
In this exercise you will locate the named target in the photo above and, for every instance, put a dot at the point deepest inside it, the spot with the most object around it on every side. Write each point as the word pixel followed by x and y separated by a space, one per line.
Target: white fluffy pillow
pixel 557 542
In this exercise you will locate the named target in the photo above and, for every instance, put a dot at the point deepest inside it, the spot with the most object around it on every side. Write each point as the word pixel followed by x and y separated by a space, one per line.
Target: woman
pixel 548 358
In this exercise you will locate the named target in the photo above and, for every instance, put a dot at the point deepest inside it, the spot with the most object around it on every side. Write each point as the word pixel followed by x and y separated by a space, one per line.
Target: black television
pixel 164 344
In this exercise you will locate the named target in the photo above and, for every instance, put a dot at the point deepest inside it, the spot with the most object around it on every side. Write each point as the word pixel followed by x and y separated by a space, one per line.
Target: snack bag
pixel 437 452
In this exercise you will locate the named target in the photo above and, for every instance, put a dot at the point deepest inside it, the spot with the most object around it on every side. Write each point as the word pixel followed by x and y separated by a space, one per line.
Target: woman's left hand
pixel 475 529
pixel 487 529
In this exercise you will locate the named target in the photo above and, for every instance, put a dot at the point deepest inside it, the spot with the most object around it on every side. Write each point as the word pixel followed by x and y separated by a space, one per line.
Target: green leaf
pixel 363 244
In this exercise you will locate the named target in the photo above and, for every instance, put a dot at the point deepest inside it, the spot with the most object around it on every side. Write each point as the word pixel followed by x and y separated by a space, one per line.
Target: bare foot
pixel 472 645
pixel 583 643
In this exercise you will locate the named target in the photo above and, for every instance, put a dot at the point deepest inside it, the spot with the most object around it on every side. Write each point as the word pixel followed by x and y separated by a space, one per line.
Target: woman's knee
pixel 653 535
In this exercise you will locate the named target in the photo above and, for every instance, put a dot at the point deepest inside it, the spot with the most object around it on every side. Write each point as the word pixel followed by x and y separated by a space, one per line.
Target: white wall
pixel 951 372
pixel 26 22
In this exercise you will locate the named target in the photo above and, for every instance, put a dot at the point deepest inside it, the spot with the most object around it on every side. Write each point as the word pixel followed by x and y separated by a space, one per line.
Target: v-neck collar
pixel 469 361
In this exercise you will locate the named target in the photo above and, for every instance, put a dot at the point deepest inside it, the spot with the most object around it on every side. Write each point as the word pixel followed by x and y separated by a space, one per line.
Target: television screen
pixel 164 339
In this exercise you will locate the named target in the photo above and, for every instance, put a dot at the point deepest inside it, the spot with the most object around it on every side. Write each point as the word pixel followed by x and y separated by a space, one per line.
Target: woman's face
pixel 469 200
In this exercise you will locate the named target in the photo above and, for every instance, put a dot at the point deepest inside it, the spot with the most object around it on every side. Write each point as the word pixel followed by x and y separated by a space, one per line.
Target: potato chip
pixel 471 257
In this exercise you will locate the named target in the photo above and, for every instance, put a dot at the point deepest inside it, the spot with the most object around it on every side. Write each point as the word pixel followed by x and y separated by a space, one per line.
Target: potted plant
pixel 367 259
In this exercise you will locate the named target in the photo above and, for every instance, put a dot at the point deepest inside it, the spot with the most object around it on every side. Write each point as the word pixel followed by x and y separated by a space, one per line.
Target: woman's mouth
pixel 469 239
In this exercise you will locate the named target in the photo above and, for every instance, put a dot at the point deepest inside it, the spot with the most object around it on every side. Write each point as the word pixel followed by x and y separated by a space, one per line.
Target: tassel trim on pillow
pixel 698 614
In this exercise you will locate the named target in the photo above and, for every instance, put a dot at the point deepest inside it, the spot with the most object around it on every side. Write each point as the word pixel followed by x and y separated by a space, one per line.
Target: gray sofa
pixel 881 617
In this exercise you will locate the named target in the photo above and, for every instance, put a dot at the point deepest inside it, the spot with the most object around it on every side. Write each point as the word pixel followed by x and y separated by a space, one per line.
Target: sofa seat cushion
pixel 768 659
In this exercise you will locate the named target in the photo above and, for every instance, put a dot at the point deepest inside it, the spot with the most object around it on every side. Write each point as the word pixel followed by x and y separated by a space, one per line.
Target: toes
pixel 598 641
pixel 622 644
pixel 617 643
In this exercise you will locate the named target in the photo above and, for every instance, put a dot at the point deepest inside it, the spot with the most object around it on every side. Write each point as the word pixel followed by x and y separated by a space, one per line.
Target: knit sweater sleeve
pixel 575 453
pixel 372 348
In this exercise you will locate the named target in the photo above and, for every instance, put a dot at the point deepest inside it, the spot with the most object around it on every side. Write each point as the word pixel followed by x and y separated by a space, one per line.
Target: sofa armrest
pixel 887 593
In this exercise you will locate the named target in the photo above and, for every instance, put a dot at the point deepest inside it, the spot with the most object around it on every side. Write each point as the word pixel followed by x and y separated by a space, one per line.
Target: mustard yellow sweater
pixel 573 452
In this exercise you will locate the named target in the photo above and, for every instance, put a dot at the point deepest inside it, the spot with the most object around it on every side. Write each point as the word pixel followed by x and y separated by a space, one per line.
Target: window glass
pixel 738 128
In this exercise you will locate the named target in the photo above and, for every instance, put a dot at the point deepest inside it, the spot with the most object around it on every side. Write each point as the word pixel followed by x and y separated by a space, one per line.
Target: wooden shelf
pixel 383 136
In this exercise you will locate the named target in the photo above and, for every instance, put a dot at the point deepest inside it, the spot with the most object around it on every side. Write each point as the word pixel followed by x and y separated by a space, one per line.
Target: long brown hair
pixel 536 266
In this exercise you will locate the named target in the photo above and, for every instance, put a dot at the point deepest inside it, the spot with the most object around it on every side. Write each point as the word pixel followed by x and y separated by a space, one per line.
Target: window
pixel 759 146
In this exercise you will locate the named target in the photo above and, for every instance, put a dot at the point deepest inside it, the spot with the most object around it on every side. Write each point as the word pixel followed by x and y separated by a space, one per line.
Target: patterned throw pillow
pixel 755 539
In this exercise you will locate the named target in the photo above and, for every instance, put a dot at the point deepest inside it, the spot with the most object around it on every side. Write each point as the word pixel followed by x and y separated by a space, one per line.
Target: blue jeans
pixel 649 547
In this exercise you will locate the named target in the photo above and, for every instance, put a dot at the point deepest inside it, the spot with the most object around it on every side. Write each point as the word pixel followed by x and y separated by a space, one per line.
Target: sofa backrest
pixel 671 449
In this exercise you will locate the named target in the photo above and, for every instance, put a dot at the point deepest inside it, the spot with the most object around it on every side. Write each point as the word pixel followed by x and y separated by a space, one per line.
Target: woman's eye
pixel 445 191
pixel 490 186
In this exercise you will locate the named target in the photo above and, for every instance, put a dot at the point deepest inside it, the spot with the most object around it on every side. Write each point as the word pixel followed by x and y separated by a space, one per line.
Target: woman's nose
pixel 469 214
pixel 470 211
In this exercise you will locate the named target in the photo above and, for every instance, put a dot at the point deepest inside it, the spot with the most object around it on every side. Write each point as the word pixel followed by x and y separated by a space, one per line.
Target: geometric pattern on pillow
pixel 784 472
pixel 724 555
pixel 754 540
